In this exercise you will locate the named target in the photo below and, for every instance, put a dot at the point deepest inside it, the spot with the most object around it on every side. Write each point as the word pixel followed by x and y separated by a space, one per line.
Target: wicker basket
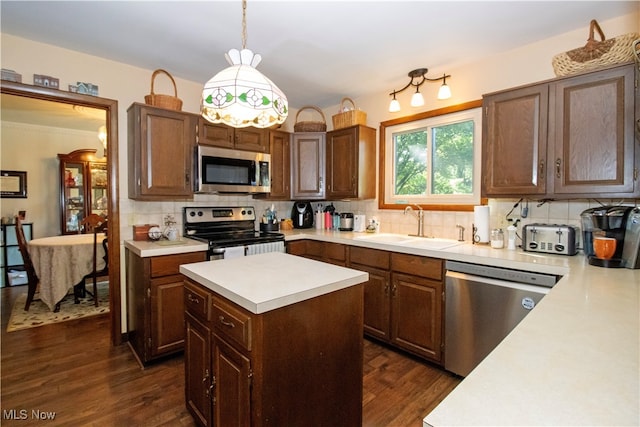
pixel 309 126
pixel 164 101
pixel 595 54
pixel 346 118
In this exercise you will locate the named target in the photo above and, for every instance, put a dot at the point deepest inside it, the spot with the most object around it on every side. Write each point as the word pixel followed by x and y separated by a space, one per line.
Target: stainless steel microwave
pixel 223 170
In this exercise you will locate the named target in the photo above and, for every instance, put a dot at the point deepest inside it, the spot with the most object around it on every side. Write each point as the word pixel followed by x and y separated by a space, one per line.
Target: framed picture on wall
pixel 13 184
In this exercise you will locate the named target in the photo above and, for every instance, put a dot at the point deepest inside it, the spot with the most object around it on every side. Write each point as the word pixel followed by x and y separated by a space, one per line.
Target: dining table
pixel 62 262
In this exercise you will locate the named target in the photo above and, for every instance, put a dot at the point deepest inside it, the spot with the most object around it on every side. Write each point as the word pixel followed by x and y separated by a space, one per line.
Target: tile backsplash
pixel 436 223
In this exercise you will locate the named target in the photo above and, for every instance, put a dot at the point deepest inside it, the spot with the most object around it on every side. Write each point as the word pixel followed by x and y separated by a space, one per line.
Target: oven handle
pixel 216 253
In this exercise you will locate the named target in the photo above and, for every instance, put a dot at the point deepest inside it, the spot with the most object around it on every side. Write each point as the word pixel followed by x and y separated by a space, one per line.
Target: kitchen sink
pixel 433 243
pixel 388 238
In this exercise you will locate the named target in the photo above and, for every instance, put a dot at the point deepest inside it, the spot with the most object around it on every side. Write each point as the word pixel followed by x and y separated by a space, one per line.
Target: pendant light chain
pixel 244 24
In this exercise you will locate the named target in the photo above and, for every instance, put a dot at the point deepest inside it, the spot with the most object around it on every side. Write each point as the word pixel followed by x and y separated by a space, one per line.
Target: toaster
pixel 550 238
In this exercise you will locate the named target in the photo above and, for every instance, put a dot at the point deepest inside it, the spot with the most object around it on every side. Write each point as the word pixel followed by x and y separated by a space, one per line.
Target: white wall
pixel 35 149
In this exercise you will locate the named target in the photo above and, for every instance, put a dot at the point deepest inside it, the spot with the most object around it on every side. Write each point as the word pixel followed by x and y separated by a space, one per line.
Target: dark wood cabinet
pixel 403 298
pixel 83 188
pixel 308 165
pixel 515 142
pixel 280 151
pixel 246 369
pixel 568 137
pixel 161 147
pixel 351 163
pixel 155 299
pixel 220 135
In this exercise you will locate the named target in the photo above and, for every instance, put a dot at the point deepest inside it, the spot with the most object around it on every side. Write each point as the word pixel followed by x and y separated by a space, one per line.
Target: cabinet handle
pixel 541 168
pixel 187 177
pixel 558 164
pixel 394 290
pixel 386 289
pixel 192 299
pixel 226 322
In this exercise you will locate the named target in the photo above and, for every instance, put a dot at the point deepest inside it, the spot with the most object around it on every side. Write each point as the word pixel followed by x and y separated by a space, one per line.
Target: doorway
pixel 110 108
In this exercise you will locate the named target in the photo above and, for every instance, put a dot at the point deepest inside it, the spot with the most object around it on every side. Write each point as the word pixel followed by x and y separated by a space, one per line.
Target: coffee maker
pixel 605 221
pixel 302 215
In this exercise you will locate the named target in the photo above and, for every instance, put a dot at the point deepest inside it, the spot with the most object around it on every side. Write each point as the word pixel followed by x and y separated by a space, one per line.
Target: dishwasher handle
pixel 452 276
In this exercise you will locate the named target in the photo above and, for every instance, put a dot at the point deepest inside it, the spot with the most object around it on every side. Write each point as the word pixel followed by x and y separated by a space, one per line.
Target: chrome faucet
pixel 420 216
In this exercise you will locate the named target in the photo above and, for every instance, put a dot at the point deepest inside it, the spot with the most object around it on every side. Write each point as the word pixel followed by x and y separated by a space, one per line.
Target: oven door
pixel 217 252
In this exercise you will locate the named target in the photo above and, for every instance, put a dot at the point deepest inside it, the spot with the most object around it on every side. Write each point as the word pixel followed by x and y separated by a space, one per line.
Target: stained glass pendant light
pixel 240 95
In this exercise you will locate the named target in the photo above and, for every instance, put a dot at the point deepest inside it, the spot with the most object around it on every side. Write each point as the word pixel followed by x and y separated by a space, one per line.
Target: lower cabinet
pixel 403 300
pixel 155 312
pixel 297 365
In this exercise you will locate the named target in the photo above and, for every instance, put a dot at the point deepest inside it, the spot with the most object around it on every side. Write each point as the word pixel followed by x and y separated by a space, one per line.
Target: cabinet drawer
pixel 335 251
pixel 196 300
pixel 417 265
pixel 371 257
pixel 231 322
pixel 170 264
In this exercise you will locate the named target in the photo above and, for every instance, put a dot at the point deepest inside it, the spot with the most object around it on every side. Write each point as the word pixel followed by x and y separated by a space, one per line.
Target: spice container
pixel 497 238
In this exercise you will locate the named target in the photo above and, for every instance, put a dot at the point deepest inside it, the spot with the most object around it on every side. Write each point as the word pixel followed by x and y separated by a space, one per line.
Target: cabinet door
pixel 161 161
pixel 307 165
pixel 232 385
pixel 280 149
pixel 342 163
pixel 167 315
pixel 416 315
pixel 594 133
pixel 376 302
pixel 252 139
pixel 514 143
pixel 198 370
pixel 218 135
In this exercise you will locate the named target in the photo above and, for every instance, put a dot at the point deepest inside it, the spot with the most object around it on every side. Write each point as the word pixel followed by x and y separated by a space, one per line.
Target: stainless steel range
pixel 230 231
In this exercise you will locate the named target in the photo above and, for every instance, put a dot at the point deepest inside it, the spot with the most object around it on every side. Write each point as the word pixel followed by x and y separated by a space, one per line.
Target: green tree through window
pixel 451 161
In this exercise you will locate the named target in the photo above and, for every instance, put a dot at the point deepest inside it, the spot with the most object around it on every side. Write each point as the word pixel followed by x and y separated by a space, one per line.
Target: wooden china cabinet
pixel 83 188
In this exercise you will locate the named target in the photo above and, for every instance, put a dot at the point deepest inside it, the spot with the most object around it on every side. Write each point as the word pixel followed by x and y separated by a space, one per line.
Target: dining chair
pixel 95 224
pixel 32 277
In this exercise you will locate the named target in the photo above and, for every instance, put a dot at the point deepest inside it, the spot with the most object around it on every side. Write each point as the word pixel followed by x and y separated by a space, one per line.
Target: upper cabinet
pixel 246 139
pixel 569 137
pixel 161 144
pixel 308 165
pixel 280 148
pixel 351 163
pixel 83 188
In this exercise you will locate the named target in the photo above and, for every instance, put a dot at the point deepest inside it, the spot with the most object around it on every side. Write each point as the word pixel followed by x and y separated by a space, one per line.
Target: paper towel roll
pixel 481 222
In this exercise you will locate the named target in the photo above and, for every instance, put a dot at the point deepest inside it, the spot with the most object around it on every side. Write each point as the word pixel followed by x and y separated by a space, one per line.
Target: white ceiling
pixel 316 51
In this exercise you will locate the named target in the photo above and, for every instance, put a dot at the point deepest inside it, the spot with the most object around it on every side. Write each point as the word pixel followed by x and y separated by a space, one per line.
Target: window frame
pixel 382 164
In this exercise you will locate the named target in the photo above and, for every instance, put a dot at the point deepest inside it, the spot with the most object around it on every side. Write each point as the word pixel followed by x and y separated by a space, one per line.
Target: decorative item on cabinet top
pixel 310 126
pixel 348 116
pixel 164 101
pixel 595 54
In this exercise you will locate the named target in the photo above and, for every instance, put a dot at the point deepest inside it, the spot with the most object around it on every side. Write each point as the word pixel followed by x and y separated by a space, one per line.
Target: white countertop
pixel 574 360
pixel 264 282
pixel 146 248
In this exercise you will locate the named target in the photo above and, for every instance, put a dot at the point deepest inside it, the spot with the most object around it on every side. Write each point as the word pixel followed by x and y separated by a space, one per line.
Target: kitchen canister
pixel 359 223
pixel 481 224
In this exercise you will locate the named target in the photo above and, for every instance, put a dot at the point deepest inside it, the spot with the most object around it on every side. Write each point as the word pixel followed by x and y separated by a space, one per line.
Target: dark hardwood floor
pixel 70 375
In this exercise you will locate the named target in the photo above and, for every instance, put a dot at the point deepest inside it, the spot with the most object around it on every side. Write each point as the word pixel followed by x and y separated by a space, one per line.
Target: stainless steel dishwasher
pixel 483 304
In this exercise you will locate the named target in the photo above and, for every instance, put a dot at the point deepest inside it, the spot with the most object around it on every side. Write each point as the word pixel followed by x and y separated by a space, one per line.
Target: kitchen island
pixel 273 339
